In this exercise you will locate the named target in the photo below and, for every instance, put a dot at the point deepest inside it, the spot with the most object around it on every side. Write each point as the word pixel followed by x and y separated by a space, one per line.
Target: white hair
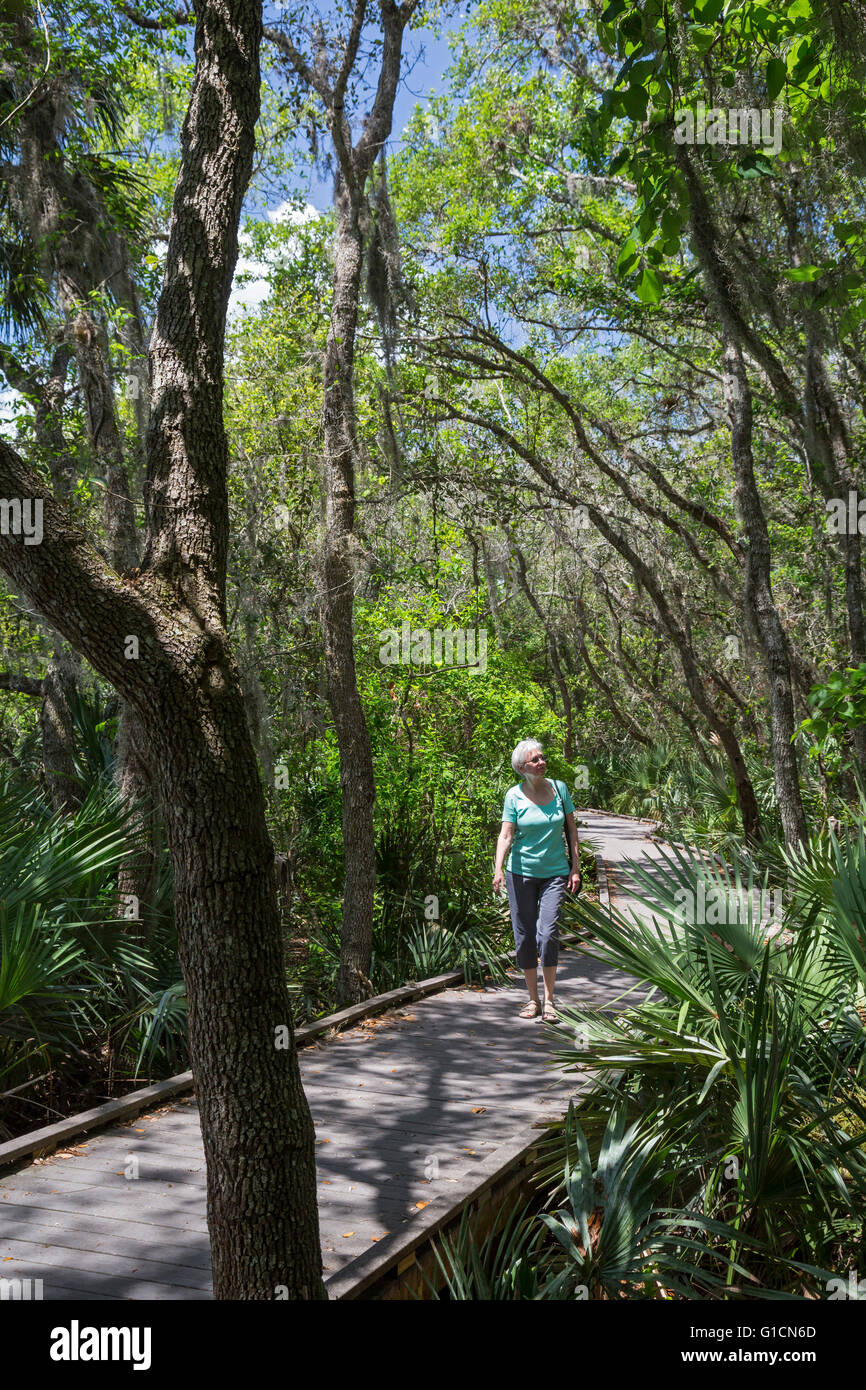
pixel 522 751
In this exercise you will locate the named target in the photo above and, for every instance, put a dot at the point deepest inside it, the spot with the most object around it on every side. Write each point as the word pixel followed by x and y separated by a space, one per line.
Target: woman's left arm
pixel 575 878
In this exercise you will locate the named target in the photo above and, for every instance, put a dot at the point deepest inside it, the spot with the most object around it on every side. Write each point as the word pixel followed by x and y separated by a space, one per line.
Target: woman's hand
pixel 498 881
pixel 575 879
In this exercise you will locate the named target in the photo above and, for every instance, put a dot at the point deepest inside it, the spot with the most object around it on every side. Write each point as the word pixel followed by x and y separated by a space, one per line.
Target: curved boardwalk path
pixel 404 1106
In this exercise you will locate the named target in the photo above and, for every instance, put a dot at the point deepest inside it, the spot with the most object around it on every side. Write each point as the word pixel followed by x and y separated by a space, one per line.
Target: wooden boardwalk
pixel 404 1107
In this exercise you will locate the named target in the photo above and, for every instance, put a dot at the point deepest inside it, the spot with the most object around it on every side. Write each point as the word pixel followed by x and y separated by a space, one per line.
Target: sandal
pixel 549 1013
pixel 530 1010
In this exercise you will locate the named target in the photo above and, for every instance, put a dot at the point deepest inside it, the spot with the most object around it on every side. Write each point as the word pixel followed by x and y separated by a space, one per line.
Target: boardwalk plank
pixel 98 1223
pixel 116 1241
pixel 16 1253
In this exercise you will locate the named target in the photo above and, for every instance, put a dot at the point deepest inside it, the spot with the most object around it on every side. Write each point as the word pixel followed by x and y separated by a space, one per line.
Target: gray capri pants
pixel 535 905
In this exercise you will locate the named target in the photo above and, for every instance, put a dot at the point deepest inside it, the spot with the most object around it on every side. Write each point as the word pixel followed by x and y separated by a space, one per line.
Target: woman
pixel 533 817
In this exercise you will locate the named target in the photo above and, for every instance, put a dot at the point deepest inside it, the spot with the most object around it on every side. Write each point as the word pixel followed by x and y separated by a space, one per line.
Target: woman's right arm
pixel 503 845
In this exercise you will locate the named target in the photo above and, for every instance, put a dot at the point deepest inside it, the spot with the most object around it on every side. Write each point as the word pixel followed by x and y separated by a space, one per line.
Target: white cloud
pixel 252 295
pixel 290 212
pixel 9 399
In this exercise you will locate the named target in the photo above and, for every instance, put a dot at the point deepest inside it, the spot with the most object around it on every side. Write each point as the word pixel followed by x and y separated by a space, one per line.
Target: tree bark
pixel 137 783
pixel 758 595
pixel 338 602
pixel 57 727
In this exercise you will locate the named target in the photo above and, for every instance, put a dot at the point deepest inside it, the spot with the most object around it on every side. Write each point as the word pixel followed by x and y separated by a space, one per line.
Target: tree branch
pixel 20 685
pixel 145 22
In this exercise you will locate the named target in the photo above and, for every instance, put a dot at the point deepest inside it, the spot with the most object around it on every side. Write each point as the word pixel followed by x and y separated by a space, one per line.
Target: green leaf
pixel 613 11
pixel 804 273
pixel 753 165
pixel 641 69
pixel 852 318
pixel 635 102
pixel 632 27
pixel 649 288
pixel 628 257
pixel 703 38
pixel 775 77
pixel 801 58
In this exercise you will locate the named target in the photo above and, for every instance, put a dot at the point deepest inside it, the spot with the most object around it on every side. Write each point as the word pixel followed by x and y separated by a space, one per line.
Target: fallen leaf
pixel 422 1204
pixel 6 1259
pixel 346 1234
pixel 478 1109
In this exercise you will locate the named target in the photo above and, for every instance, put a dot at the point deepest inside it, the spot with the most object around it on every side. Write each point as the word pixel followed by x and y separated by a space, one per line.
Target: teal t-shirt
pixel 538 849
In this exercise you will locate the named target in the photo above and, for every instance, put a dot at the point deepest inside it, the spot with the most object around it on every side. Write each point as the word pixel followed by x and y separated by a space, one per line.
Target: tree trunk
pixel 256 1124
pixel 338 601
pixel 759 598
pixel 57 728
pixel 136 782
